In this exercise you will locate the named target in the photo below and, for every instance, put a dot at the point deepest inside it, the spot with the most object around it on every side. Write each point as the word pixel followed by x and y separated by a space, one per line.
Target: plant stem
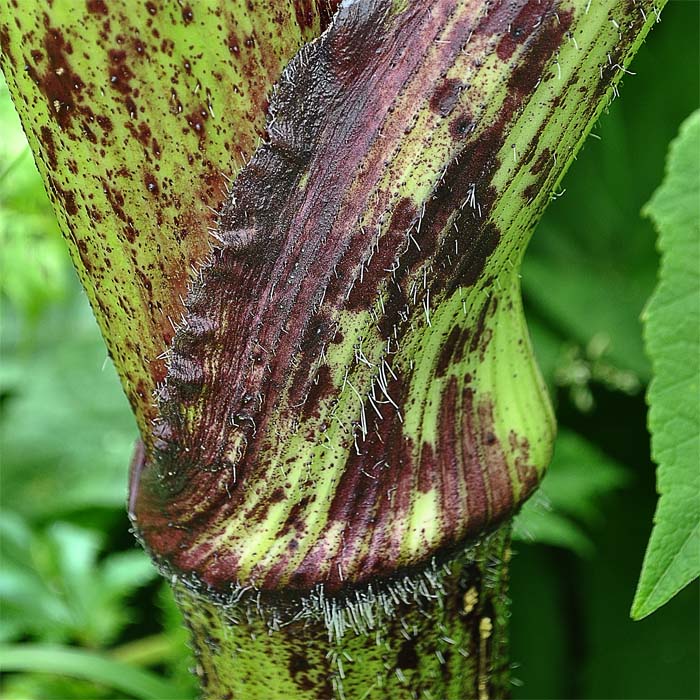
pixel 451 645
pixel 350 388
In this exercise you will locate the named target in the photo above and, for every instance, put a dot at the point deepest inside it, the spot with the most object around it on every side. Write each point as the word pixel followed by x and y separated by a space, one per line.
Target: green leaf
pixel 82 664
pixel 123 572
pixel 568 502
pixel 178 667
pixel 672 336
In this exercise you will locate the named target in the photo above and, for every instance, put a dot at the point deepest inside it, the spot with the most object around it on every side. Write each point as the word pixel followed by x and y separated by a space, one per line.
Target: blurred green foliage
pixel 72 578
pixel 33 272
pixel 568 504
pixel 55 589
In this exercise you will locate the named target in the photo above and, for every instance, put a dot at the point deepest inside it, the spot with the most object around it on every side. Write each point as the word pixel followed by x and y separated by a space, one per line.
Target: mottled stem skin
pixel 451 646
pixel 352 389
pixel 351 398
pixel 138 112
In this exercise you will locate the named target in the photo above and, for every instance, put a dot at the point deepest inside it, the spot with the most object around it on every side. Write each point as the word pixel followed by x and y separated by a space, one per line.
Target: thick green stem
pixel 450 643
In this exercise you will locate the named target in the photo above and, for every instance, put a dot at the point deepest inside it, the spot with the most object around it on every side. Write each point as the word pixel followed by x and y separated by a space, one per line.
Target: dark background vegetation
pixel 71 574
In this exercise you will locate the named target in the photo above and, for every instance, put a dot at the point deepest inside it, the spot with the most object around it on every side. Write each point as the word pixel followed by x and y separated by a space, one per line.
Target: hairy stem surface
pixel 402 645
